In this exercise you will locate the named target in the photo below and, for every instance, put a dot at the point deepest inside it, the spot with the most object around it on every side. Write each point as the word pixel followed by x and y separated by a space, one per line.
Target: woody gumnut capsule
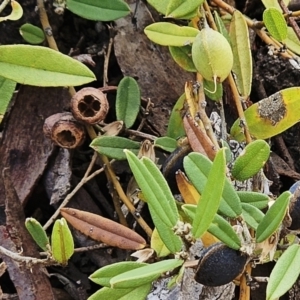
pixel 64 130
pixel 89 105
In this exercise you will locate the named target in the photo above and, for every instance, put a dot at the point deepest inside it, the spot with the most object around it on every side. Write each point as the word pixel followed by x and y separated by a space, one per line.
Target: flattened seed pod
pixel 219 265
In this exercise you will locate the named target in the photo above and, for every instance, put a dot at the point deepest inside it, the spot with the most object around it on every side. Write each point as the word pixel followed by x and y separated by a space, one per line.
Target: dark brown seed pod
pixel 89 105
pixel 64 130
pixel 219 265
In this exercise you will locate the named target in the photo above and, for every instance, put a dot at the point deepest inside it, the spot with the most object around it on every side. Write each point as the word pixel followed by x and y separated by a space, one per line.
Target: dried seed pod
pixel 64 130
pixel 219 265
pixel 89 105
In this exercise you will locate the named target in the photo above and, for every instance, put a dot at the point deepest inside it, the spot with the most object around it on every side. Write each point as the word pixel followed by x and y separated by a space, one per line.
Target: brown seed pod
pixel 64 130
pixel 89 105
pixel 219 265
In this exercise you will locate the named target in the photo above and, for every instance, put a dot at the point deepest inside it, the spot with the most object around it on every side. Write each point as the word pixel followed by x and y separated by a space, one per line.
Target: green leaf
pixel 197 168
pixel 168 34
pixel 274 3
pixel 275 23
pixel 38 233
pixel 113 146
pixel 252 215
pixel 212 55
pixel 221 27
pixel 258 200
pixel 242 58
pixel 270 116
pixel 175 126
pixel 251 160
pixel 222 230
pixel 183 57
pixel 62 242
pixel 103 275
pixel 210 86
pixel 285 273
pixel 180 8
pixel 273 217
pixel 292 41
pixel 158 245
pixel 41 66
pixel 99 10
pixel 144 274
pixel 210 199
pixel 160 200
pixel 159 5
pixel 166 143
pixel 135 293
pixel 128 101
pixel 7 88
pixel 32 34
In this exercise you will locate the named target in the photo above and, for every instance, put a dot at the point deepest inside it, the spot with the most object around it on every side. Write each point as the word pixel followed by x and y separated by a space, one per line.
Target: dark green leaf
pixel 166 143
pixel 32 34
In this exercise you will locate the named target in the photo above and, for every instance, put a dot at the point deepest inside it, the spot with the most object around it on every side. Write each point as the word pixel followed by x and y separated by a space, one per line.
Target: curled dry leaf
pixel 103 229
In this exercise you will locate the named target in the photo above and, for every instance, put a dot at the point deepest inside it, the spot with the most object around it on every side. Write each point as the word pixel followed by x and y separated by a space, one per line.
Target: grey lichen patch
pixel 272 108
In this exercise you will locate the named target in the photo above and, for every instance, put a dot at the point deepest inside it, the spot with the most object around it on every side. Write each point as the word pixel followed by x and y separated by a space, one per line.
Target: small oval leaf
pixel 180 8
pixel 32 34
pixel 104 10
pixel 168 34
pixel 113 146
pixel 166 143
pixel 103 229
pixel 183 57
pixel 144 274
pixel 251 160
pixel 273 217
pixel 275 23
pixel 285 273
pixel 38 233
pixel 62 242
pixel 128 101
pixel 212 55
pixel 41 66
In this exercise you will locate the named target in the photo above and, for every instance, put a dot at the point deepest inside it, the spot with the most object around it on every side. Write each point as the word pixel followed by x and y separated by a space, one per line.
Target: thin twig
pixel 3 5
pixel 106 58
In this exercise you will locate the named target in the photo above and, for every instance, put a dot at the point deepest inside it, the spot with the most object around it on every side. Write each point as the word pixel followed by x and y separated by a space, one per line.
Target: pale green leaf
pixel 158 245
pixel 181 8
pixel 292 41
pixel 41 66
pixel 159 5
pixel 183 57
pixel 99 10
pixel 168 34
pixel 7 88
pixel 166 143
pixel 211 196
pixel 285 273
pixel 242 58
pixel 16 13
pixel 274 3
pixel 128 101
pixel 252 215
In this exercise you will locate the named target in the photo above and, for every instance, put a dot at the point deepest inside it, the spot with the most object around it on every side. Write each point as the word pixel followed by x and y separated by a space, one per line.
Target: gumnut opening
pixel 89 105
pixel 64 130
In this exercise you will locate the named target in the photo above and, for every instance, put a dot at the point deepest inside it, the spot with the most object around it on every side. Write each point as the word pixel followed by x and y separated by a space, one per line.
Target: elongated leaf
pixel 158 245
pixel 128 101
pixel 221 27
pixel 175 125
pixel 242 58
pixel 252 215
pixel 273 217
pixel 135 293
pixel 160 200
pixel 166 143
pixel 144 274
pixel 258 200
pixel 181 8
pixel 62 242
pixel 167 34
pixel 159 5
pixel 32 34
pixel 113 146
pixel 274 3
pixel 106 273
pixel 38 233
pixel 285 273
pixel 197 168
pixel 275 23
pixel 99 10
pixel 7 88
pixel 41 66
pixel 292 41
pixel 251 160
pixel 103 229
pixel 211 196
pixel 270 116
pixel 222 230
pixel 183 57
